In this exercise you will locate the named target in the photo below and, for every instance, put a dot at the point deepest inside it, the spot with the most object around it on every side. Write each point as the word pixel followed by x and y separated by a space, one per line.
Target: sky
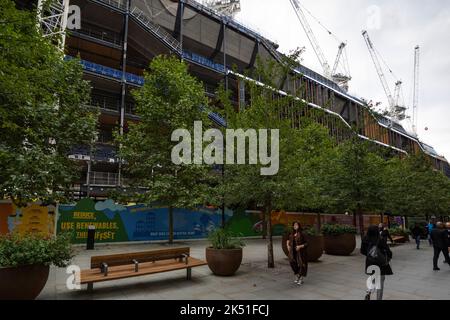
pixel 395 27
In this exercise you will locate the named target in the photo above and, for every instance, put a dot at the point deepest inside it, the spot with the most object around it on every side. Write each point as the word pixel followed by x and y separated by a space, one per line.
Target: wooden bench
pixel 127 265
pixel 398 239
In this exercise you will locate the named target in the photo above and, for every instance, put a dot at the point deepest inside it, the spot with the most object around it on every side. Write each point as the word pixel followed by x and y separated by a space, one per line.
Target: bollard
pixel 90 238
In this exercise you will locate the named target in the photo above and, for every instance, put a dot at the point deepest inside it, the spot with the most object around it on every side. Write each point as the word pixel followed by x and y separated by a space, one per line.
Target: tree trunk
pixel 264 225
pixel 359 212
pixel 170 224
pixel 361 224
pixel 268 214
pixel 223 216
pixel 382 218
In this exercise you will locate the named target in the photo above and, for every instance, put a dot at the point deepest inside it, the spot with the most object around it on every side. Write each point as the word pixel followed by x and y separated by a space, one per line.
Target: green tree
pixel 244 184
pixel 356 185
pixel 414 188
pixel 170 99
pixel 43 111
pixel 312 165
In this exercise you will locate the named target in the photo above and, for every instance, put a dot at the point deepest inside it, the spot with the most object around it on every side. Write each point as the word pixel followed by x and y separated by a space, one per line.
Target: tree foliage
pixel 170 99
pixel 43 111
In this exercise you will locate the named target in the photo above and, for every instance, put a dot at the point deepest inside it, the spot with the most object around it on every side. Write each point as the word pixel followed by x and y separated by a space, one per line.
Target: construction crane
pixel 224 7
pixel 53 19
pixel 396 110
pixel 343 78
pixel 416 89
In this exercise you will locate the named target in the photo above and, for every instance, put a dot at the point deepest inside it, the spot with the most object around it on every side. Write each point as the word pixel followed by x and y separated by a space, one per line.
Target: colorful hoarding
pixel 118 223
pixel 33 218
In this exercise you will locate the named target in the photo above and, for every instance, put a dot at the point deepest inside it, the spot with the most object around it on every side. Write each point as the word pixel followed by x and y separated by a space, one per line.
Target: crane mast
pixel 311 37
pixel 380 72
pixel 342 79
pixel 416 88
pixel 53 20
pixel 338 57
pixel 397 109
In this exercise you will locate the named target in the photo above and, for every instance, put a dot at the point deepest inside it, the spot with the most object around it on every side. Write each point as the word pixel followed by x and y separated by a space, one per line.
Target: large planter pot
pixel 315 246
pixel 340 245
pixel 22 283
pixel 224 262
pixel 284 240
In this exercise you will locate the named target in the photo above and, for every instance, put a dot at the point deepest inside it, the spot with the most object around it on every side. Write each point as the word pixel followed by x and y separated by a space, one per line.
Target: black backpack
pixel 376 256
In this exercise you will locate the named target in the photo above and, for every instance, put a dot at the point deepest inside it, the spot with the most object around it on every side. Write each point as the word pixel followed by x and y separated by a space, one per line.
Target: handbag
pixel 377 257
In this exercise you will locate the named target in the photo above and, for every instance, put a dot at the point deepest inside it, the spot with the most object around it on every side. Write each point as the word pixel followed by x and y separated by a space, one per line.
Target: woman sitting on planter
pixel 298 258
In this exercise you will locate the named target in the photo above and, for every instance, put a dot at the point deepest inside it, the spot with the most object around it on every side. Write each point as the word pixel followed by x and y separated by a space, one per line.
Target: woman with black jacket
pixel 298 257
pixel 377 253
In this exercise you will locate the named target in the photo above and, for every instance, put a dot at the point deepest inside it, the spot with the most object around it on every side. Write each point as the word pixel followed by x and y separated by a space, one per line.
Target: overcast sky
pixel 395 27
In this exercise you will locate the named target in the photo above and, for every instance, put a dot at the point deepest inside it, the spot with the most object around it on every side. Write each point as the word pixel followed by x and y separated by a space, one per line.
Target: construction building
pixel 118 38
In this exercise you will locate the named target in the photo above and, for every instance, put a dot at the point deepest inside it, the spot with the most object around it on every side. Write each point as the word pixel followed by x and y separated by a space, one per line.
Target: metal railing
pixel 109 72
pixel 109 37
pixel 203 61
pixel 111 103
pixel 156 29
pixel 120 4
pixel 103 178
pixel 105 102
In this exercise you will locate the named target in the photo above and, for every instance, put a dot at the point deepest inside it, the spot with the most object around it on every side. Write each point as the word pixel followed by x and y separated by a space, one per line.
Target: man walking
pixel 440 244
pixel 447 237
pixel 431 225
pixel 416 233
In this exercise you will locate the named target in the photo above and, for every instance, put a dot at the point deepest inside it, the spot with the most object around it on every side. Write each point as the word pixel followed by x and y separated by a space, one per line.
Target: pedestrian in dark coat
pixel 417 233
pixel 373 240
pixel 384 233
pixel 440 244
pixel 298 257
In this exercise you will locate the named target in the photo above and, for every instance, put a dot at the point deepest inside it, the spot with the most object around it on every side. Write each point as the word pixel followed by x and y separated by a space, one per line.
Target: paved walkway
pixel 331 278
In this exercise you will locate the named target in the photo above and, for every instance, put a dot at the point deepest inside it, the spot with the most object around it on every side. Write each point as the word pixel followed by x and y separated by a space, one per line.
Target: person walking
pixel 377 254
pixel 431 226
pixel 416 233
pixel 298 258
pixel 439 239
pixel 384 233
pixel 447 237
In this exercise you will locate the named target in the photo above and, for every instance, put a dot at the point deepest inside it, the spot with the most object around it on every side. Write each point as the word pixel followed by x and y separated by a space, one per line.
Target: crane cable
pixel 320 23
pixel 345 67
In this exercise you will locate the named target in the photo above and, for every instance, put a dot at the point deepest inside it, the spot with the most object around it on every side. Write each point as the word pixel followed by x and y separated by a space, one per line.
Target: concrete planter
pixel 340 245
pixel 224 262
pixel 23 282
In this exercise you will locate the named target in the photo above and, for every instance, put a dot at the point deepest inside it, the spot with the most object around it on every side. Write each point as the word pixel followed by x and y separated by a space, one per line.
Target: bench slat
pixel 127 271
pixel 143 256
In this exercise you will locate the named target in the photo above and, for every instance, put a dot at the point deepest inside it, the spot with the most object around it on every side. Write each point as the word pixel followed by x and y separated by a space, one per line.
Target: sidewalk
pixel 331 278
